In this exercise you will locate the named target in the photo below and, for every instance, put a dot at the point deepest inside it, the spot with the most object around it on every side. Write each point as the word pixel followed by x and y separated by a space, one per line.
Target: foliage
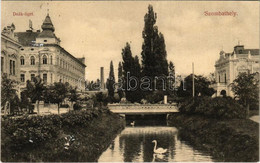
pixel 217 107
pixel 120 78
pixel 131 68
pixel 58 92
pixel 73 96
pixel 8 91
pixel 154 62
pixel 100 99
pixel 246 89
pixel 155 97
pixel 171 69
pixel 111 83
pixel 35 89
pixel 41 138
pixel 201 87
pixel 77 106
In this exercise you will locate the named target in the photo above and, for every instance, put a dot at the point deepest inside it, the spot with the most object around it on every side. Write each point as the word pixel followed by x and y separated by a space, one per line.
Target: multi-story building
pixel 10 48
pixel 42 55
pixel 229 65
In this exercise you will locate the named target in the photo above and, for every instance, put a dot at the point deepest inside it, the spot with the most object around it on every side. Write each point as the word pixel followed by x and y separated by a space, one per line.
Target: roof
pixel 46 34
pixel 62 49
pixel 252 51
pixel 47 24
pixel 26 38
pixel 82 59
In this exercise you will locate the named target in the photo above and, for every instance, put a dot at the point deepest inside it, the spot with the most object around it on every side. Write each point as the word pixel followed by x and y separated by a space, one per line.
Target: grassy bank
pixel 233 140
pixel 42 138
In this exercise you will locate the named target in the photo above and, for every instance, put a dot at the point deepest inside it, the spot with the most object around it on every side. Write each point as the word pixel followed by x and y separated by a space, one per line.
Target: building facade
pixel 10 49
pixel 42 55
pixel 229 65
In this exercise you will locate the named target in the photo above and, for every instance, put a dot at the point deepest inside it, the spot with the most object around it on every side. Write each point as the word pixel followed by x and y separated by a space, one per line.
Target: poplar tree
pixel 111 82
pixel 154 62
pixel 120 80
pixel 132 67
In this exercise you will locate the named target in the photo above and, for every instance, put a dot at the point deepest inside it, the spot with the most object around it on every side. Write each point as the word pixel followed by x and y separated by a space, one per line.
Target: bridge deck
pixel 143 108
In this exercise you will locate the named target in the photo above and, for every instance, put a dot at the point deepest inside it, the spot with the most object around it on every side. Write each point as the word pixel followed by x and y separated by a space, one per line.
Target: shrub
pixel 218 107
pixel 155 97
pixel 77 106
pixel 20 132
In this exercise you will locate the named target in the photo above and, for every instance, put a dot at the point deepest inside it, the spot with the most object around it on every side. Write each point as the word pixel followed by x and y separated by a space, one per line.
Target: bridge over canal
pixel 143 109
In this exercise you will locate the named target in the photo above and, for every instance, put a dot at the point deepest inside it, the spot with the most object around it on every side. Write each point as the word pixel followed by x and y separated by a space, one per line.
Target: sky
pixel 99 30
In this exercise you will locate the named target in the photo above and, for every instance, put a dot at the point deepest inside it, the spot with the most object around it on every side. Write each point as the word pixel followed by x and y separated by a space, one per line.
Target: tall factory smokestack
pixel 102 78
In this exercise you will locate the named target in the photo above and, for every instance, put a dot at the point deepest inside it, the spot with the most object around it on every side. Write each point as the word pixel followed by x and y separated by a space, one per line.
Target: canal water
pixel 134 144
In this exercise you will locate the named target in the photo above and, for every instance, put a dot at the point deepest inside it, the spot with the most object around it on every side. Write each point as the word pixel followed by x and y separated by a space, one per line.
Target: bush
pixel 218 107
pixel 18 133
pixel 155 97
pixel 77 106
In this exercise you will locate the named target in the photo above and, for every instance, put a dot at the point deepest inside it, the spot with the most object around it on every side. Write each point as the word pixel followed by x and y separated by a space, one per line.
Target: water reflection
pixel 134 144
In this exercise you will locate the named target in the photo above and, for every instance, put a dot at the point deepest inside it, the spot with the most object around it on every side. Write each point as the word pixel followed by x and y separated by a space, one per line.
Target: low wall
pixel 235 140
pixel 143 108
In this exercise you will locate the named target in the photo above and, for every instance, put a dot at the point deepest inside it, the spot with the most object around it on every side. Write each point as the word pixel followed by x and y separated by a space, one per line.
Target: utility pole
pixel 193 86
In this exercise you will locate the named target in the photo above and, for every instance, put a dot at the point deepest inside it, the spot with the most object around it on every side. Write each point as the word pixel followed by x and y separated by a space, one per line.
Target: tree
pixel 201 87
pixel 171 69
pixel 120 78
pixel 35 90
pixel 73 95
pixel 131 67
pixel 8 92
pixel 59 92
pixel 246 89
pixel 154 62
pixel 111 82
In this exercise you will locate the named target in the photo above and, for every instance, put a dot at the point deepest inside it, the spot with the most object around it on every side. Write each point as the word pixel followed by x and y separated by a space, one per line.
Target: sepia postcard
pixel 130 81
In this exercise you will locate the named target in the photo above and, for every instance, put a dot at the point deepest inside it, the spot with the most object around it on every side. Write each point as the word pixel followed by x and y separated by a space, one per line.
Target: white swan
pixel 132 123
pixel 158 150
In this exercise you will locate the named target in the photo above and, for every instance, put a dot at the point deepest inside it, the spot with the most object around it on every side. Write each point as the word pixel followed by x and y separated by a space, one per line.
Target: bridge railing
pixel 142 106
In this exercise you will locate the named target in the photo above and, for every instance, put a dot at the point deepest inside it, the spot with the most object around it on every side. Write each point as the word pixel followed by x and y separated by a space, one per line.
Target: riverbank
pixel 46 138
pixel 233 140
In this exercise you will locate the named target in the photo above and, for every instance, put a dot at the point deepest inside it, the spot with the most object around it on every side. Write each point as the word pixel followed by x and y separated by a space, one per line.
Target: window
pixel 32 60
pixel 219 78
pixel 2 64
pixel 45 40
pixel 51 78
pixel 22 60
pixel 11 67
pixel 32 77
pixel 225 78
pixel 44 59
pixel 44 78
pixel 22 78
pixel 51 60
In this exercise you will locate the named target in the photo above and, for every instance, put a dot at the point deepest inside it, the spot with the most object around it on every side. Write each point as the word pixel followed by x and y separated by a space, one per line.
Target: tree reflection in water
pixel 134 144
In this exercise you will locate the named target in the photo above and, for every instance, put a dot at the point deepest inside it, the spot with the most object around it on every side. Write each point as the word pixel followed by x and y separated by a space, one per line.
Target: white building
pixel 42 55
pixel 10 49
pixel 229 65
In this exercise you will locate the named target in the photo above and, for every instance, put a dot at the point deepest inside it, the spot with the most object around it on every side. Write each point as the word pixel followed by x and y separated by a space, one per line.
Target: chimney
pixel 102 78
